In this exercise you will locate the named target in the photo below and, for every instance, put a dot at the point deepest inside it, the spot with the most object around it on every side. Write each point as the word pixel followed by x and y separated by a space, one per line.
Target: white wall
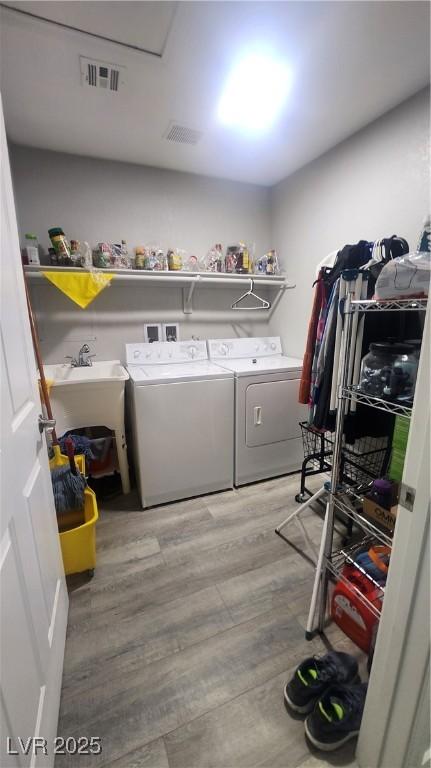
pixel 101 200
pixel 374 184
pixel 98 200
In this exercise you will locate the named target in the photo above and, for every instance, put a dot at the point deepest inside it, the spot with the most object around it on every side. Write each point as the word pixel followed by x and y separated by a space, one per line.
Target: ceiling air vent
pixel 182 135
pixel 101 74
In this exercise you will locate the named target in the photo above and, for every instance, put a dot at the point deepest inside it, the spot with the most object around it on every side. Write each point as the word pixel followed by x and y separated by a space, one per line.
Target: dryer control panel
pixel 230 349
pixel 160 352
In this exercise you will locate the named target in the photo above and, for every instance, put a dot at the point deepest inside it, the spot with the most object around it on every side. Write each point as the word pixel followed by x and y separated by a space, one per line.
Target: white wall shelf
pixel 189 281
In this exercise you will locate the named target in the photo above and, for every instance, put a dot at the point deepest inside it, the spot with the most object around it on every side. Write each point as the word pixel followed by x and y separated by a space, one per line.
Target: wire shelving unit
pixel 346 498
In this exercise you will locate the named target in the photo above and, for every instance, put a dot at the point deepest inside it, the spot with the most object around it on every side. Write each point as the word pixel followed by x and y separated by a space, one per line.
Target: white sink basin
pixel 91 396
pixel 63 374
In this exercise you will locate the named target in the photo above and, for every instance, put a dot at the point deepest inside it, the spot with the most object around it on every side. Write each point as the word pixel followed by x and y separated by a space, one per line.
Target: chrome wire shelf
pixel 389 305
pixel 389 406
pixel 346 505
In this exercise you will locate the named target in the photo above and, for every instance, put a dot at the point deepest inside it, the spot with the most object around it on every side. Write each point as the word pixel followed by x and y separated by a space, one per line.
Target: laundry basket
pixel 78 536
pixel 361 462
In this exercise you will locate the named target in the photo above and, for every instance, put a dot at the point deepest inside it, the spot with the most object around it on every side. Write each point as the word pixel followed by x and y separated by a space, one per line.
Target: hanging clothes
pixel 316 380
pixel 325 364
pixel 319 301
pixel 321 324
pixel 350 257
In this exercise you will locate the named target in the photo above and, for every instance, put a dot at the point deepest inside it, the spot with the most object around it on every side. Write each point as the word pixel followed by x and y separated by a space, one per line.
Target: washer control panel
pixel 160 352
pixel 230 349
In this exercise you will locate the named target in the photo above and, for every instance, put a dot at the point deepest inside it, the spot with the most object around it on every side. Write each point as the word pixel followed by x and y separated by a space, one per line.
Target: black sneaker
pixel 336 717
pixel 315 675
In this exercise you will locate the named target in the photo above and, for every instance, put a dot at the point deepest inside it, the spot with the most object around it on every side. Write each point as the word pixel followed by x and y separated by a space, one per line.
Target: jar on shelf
pixel 140 256
pixel 175 260
pixel 231 258
pixel 61 245
pixel 389 371
pixel 243 262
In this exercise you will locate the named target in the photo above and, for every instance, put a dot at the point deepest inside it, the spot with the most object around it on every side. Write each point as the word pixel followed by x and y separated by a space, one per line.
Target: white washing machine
pixel 267 413
pixel 182 420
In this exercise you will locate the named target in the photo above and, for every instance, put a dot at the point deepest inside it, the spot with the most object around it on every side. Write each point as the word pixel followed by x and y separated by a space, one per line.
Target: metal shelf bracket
pixel 188 295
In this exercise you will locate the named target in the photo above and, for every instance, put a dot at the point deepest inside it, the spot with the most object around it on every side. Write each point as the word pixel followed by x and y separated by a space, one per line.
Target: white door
pixel 395 730
pixel 34 603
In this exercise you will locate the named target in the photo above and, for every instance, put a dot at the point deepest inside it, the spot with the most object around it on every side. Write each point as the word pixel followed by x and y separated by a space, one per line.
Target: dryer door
pixel 272 412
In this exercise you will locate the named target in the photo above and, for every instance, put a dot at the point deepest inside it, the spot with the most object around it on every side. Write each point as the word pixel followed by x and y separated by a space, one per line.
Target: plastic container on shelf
pixel 267 264
pixel 30 252
pixel 405 277
pixel 213 261
pixel 389 371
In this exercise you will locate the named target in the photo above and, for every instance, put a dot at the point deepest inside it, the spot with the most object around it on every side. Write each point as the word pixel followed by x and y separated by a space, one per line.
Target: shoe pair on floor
pixel 329 691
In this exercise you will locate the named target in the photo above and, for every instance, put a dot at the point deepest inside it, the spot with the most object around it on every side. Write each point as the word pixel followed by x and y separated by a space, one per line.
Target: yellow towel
pixel 81 288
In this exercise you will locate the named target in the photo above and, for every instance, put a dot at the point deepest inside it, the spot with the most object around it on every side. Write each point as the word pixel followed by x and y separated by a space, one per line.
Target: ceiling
pixel 350 63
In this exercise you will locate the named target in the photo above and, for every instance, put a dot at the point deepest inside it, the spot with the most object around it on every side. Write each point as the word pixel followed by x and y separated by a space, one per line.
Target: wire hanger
pixel 264 304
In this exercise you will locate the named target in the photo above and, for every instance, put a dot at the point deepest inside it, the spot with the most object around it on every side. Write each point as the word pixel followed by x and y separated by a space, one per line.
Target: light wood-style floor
pixel 178 649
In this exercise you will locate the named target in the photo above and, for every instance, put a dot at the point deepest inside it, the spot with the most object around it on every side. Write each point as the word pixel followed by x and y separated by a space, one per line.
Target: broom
pixel 68 484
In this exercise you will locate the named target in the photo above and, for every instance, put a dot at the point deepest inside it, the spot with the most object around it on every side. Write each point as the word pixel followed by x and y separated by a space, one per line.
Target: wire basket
pixel 361 462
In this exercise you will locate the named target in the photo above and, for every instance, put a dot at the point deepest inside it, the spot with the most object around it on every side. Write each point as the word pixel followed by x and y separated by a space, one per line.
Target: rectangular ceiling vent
pixel 182 135
pixel 101 74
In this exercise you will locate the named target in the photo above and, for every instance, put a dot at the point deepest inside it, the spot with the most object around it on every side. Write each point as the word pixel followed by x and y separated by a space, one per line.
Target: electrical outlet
pixel 171 332
pixel 153 332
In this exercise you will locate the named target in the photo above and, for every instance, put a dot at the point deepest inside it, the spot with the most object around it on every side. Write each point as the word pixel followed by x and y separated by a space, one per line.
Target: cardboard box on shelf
pixel 386 517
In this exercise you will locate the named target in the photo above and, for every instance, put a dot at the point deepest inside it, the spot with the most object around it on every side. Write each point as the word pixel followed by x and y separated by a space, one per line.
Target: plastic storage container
pixel 405 277
pixel 78 537
pixel 30 252
pixel 389 371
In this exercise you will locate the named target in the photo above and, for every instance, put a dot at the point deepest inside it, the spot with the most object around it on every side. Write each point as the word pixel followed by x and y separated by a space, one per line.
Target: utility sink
pixel 63 374
pixel 91 396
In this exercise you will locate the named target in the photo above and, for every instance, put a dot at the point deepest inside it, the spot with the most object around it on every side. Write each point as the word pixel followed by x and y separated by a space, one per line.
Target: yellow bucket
pixel 59 459
pixel 78 541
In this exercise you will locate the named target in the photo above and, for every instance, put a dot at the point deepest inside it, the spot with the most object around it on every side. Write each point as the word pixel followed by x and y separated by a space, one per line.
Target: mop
pixel 68 484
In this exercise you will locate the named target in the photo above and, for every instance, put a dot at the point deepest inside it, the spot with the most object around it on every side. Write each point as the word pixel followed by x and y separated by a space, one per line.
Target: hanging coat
pixel 318 303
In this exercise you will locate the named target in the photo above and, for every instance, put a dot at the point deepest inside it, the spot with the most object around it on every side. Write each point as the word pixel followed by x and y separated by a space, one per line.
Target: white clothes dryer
pixel 267 413
pixel 182 420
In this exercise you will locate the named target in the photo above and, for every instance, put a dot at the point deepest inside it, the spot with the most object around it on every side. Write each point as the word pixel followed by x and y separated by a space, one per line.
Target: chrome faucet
pixel 84 358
